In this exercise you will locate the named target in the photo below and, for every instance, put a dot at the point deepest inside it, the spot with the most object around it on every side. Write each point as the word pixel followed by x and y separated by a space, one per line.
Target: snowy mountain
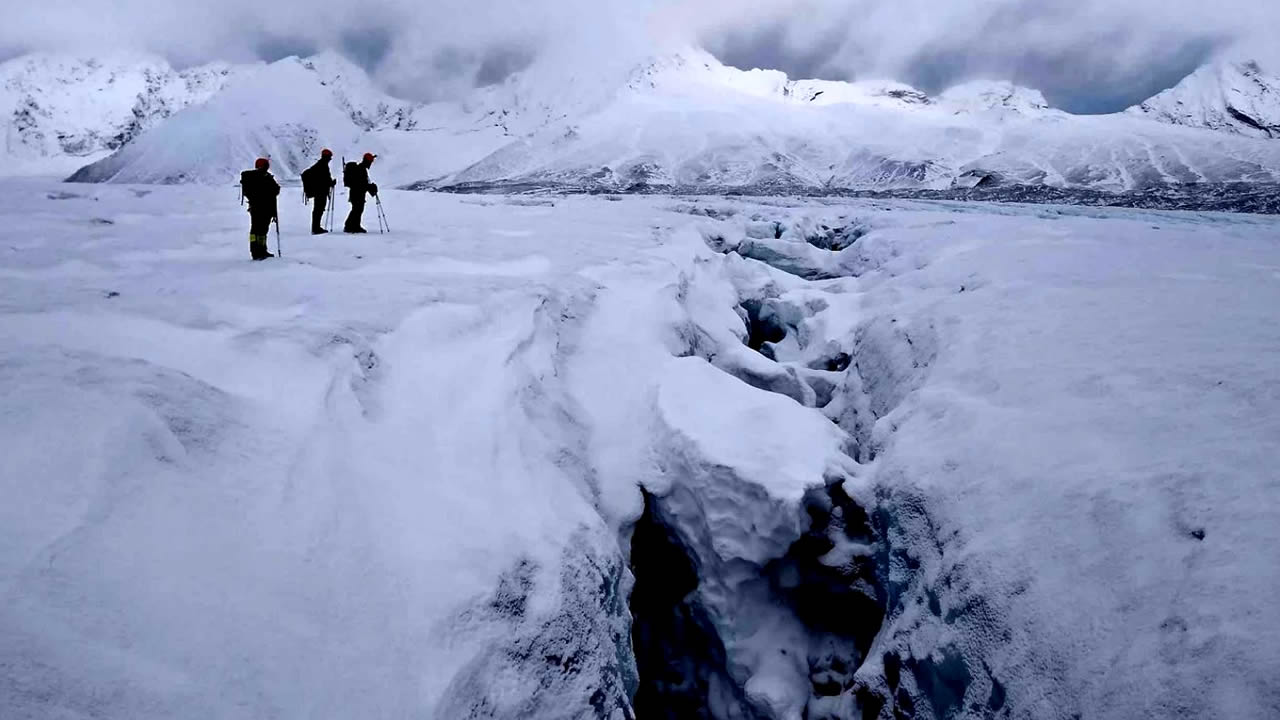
pixel 58 110
pixel 1234 96
pixel 688 122
pixel 682 121
pixel 984 96
pixel 289 110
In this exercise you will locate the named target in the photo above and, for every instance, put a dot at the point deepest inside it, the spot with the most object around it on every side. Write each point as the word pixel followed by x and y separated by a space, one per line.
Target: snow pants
pixel 357 213
pixel 317 211
pixel 259 227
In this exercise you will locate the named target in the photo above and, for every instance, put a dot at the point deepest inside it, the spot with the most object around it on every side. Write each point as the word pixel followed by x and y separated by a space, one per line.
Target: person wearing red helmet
pixel 261 190
pixel 316 183
pixel 356 177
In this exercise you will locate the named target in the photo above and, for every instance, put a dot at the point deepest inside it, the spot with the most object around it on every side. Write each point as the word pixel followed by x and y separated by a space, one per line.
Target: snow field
pixel 396 475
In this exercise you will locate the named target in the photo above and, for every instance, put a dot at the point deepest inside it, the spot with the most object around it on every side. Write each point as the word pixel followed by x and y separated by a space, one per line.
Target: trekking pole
pixel 331 199
pixel 382 215
pixel 279 250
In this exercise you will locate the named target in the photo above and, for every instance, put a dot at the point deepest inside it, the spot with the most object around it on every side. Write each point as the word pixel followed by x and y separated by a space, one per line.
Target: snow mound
pixel 1233 96
pixel 288 111
pixel 61 109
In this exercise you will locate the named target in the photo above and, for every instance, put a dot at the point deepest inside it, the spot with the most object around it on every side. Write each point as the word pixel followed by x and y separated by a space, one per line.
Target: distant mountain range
pixel 679 122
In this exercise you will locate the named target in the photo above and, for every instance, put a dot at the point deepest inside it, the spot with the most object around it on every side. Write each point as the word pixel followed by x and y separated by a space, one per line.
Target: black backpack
pixel 348 171
pixel 310 183
pixel 249 185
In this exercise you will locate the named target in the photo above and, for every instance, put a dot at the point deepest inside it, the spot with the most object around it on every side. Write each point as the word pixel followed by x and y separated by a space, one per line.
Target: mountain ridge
pixel 1238 96
pixel 683 120
pixel 57 108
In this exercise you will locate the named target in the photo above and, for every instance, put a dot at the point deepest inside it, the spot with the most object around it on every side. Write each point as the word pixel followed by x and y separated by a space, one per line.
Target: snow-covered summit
pixel 697 72
pixel 288 110
pixel 687 121
pixel 56 109
pixel 1238 96
pixel 996 96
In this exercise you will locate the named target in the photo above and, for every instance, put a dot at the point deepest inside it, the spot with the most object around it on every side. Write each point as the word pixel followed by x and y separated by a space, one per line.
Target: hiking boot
pixel 318 231
pixel 258 249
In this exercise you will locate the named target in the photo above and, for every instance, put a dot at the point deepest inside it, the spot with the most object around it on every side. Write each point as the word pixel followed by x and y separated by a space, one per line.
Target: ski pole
pixel 279 250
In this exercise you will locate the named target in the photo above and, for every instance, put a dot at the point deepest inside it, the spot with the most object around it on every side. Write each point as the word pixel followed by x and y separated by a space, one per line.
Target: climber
pixel 356 177
pixel 317 181
pixel 261 190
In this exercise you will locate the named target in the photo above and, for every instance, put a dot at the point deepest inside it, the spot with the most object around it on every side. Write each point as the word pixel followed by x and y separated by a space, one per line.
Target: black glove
pixel 373 189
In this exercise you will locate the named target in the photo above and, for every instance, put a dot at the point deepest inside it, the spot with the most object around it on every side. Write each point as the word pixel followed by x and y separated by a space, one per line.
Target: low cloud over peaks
pixel 1086 55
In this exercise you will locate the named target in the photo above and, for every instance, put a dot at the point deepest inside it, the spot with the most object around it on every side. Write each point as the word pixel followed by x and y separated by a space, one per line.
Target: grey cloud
pixel 1086 55
pixel 274 47
pixel 366 46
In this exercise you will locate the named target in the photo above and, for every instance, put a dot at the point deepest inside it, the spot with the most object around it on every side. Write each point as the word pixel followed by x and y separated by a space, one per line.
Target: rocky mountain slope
pixel 56 111
pixel 1240 97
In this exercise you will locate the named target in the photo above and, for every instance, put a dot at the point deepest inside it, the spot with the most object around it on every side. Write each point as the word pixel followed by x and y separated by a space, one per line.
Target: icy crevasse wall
pixel 763 583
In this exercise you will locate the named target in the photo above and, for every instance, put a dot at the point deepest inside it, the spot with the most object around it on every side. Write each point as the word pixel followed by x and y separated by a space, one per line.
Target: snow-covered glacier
pixel 617 457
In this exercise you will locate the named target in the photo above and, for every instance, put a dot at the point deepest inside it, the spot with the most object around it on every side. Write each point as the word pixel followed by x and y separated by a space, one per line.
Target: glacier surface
pixel 547 457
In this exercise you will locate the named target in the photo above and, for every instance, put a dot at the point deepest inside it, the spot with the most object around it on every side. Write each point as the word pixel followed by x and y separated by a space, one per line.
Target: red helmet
pixel 368 157
pixel 261 164
pixel 326 153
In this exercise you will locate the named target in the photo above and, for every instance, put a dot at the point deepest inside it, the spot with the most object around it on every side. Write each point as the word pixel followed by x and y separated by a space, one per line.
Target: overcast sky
pixel 1086 55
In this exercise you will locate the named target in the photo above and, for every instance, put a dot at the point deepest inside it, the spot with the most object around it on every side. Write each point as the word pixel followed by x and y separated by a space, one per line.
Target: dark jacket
pixel 262 192
pixel 317 179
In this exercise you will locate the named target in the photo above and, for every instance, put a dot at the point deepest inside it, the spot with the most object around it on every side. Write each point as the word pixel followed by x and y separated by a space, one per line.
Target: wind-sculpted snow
pixel 593 457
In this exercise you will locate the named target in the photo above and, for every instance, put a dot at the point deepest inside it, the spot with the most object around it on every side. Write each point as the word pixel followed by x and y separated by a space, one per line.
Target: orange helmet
pixel 261 164
pixel 368 157
pixel 326 153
